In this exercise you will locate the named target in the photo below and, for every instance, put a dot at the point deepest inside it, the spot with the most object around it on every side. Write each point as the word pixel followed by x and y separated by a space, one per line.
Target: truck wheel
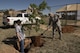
pixel 5 24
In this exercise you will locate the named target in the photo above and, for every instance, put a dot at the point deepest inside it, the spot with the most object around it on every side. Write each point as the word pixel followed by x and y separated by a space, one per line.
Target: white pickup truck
pixel 23 17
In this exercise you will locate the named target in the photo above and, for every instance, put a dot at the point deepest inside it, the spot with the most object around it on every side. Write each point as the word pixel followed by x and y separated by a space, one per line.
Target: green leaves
pixel 42 6
pixel 33 5
pixel 37 11
pixel 38 8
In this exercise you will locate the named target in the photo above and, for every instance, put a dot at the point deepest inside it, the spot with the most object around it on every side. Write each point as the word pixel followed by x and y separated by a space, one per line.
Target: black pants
pixel 58 29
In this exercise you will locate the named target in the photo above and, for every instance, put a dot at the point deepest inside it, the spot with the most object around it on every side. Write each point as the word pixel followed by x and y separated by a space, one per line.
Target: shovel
pixel 45 31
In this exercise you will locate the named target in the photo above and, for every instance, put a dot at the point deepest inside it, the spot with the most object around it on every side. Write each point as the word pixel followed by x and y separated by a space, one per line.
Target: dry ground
pixel 70 42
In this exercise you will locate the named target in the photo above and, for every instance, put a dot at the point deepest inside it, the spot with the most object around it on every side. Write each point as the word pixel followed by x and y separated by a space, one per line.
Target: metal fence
pixel 70 13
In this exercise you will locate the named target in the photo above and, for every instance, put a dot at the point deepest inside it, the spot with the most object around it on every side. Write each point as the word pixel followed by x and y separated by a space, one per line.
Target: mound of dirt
pixel 7 49
pixel 68 29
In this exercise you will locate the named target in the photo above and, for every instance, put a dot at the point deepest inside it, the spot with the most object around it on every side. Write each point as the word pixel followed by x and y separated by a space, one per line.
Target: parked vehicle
pixel 23 17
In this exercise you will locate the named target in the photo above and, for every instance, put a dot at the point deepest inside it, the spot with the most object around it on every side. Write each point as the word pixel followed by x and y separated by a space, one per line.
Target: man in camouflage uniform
pixel 54 20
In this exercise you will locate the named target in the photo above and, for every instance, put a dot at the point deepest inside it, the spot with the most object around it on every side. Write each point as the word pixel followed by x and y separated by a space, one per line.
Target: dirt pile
pixel 68 29
pixel 7 49
pixel 37 41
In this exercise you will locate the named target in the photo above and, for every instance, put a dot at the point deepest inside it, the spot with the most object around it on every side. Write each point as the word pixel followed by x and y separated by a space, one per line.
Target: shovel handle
pixel 45 30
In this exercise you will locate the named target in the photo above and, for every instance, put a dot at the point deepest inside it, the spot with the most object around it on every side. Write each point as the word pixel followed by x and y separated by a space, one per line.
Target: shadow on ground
pixel 11 41
pixel 6 27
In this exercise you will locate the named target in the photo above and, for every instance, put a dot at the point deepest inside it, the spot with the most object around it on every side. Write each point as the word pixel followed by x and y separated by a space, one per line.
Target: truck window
pixel 26 15
pixel 19 15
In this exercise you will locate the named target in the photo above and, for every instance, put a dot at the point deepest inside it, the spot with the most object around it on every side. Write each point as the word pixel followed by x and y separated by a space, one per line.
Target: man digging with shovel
pixel 56 24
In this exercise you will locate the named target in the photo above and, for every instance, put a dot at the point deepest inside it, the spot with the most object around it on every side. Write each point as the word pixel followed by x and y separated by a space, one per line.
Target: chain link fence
pixel 69 13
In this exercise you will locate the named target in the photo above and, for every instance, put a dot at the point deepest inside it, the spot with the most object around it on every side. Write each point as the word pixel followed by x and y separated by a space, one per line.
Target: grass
pixel 70 42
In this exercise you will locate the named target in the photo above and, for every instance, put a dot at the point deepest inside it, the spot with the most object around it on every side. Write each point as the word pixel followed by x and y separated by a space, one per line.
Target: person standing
pixel 54 20
pixel 20 35
pixel 5 21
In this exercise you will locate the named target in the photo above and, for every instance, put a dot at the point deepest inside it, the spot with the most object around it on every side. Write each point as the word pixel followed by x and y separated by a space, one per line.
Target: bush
pixel 42 22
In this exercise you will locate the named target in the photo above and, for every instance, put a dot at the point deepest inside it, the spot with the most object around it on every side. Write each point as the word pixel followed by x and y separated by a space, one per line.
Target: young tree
pixel 36 9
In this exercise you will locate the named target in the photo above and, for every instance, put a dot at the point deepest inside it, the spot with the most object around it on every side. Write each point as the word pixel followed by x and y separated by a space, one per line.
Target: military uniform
pixel 54 20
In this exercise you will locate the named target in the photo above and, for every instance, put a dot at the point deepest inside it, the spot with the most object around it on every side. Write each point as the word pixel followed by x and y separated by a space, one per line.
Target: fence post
pixel 66 15
pixel 76 14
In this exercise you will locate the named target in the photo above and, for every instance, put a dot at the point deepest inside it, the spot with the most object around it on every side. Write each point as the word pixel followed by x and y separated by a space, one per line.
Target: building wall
pixel 1 14
pixel 14 13
pixel 78 15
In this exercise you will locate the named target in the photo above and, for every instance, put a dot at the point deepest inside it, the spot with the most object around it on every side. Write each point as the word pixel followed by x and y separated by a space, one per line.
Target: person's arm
pixel 17 33
pixel 55 19
pixel 50 20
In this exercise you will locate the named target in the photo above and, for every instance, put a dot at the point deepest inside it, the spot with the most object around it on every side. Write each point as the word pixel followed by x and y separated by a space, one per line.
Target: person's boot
pixel 60 37
pixel 60 34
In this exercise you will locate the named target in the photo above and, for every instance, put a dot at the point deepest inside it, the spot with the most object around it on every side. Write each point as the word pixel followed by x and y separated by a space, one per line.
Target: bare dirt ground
pixel 70 42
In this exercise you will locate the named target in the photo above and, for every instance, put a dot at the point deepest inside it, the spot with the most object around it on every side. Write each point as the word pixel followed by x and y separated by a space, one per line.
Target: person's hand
pixel 48 27
pixel 19 39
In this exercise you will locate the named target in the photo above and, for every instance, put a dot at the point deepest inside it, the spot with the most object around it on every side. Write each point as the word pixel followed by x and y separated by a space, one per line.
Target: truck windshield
pixel 26 15
pixel 19 15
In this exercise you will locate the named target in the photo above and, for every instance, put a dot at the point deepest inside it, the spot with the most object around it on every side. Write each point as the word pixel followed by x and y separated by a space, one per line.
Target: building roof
pixel 71 7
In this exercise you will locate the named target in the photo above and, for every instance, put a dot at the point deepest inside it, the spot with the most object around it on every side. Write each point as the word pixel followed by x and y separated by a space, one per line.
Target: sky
pixel 23 4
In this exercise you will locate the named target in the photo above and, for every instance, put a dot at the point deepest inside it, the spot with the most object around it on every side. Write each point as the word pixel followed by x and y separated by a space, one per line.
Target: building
pixel 71 11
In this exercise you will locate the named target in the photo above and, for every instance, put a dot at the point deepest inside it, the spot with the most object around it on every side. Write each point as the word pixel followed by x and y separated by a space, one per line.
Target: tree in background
pixel 6 12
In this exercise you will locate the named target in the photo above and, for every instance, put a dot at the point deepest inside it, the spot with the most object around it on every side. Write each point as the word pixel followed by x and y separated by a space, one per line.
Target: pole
pixel 66 15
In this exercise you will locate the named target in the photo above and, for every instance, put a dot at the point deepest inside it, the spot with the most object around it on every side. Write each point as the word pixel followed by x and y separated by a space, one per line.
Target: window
pixel 26 15
pixel 19 15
